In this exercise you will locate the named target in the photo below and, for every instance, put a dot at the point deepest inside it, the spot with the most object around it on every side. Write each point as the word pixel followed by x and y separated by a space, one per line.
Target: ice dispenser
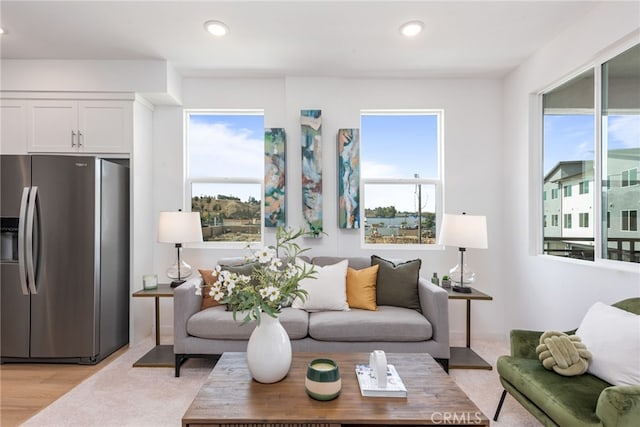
pixel 8 239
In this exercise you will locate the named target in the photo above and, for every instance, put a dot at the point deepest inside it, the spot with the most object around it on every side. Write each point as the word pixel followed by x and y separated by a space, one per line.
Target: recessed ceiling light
pixel 411 29
pixel 216 28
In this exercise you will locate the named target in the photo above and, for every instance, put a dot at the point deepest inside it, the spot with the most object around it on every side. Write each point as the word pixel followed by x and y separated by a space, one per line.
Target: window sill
pixel 602 263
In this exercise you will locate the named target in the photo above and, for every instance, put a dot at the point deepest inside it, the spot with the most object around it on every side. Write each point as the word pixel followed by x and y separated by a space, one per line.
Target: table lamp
pixel 178 228
pixel 463 231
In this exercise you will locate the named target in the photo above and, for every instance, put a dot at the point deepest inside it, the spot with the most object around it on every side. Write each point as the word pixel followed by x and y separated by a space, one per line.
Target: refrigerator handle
pixel 31 274
pixel 21 241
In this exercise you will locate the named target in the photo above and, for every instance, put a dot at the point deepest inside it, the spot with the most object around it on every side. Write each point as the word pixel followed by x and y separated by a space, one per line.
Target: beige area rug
pixel 484 388
pixel 120 395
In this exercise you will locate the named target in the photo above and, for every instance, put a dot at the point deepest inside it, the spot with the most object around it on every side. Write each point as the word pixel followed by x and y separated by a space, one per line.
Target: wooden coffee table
pixel 230 397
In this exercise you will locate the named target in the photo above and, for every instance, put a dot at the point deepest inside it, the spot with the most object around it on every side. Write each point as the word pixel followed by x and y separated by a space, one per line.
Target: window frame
pixel 188 181
pixel 438 182
pixel 599 221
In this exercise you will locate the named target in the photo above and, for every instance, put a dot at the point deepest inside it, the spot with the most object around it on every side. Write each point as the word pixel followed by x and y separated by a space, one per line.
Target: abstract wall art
pixel 274 177
pixel 311 138
pixel 349 178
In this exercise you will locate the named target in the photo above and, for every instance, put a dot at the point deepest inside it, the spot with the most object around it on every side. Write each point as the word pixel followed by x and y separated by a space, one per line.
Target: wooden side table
pixel 465 357
pixel 160 356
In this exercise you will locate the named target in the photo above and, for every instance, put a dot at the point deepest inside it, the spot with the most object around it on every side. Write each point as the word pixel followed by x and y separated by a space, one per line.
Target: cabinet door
pixel 53 126
pixel 13 126
pixel 106 126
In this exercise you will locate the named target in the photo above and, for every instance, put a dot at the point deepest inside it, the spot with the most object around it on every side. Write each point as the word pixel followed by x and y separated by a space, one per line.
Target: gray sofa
pixel 210 332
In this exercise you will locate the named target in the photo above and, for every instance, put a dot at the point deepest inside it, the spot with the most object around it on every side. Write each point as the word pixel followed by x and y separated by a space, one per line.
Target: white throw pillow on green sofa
pixel 612 336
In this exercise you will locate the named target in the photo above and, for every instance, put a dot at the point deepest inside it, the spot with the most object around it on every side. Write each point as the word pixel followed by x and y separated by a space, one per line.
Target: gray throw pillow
pixel 397 284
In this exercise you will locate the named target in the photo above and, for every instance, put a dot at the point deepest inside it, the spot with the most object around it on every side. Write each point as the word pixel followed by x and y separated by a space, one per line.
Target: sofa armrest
pixel 185 304
pixel 434 303
pixel 619 406
pixel 524 343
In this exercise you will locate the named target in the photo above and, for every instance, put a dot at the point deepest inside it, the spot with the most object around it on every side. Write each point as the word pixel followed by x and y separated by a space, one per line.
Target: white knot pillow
pixel 564 354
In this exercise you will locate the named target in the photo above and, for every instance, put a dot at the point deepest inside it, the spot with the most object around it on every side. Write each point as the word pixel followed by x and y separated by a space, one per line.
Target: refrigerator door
pixel 63 311
pixel 14 304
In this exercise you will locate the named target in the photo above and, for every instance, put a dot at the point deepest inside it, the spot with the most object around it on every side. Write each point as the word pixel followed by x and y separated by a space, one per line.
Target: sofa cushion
pixel 217 323
pixel 354 262
pixel 386 324
pixel 361 287
pixel 563 399
pixel 397 283
pixel 612 336
pixel 327 291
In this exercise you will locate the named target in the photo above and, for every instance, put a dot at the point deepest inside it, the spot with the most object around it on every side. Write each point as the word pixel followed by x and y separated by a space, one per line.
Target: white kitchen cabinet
pixel 63 126
pixel 13 126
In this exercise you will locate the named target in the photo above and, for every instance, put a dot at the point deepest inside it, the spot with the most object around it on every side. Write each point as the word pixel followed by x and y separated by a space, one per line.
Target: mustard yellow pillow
pixel 361 287
pixel 209 278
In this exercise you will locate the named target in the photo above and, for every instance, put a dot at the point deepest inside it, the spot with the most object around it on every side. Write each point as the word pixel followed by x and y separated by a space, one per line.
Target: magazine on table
pixel 369 384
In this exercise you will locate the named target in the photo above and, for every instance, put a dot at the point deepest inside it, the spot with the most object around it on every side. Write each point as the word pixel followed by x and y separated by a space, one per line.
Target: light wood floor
pixel 26 389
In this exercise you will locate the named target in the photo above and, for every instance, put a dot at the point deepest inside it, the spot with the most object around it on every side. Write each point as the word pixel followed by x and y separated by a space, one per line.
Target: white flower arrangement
pixel 273 283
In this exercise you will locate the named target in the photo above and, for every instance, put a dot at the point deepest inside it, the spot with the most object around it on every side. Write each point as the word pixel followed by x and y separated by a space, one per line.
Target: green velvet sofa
pixel 555 400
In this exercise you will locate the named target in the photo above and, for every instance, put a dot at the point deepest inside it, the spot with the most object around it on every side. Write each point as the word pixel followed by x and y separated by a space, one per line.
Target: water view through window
pixel 401 177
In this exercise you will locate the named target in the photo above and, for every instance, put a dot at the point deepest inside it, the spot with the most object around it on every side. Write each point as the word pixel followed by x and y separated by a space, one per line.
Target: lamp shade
pixel 464 231
pixel 179 227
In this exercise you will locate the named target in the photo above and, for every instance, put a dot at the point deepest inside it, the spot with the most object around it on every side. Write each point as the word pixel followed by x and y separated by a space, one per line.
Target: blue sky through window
pixel 399 146
pixel 571 137
pixel 226 146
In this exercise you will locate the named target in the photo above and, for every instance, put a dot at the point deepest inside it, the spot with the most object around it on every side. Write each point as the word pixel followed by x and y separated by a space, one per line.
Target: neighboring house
pixel 568 201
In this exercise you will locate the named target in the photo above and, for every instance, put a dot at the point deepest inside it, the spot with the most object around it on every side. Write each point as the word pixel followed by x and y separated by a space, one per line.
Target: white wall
pixel 142 228
pixel 547 292
pixel 473 161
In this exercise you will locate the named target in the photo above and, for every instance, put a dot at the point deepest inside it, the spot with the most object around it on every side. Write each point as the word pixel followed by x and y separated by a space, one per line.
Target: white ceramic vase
pixel 269 351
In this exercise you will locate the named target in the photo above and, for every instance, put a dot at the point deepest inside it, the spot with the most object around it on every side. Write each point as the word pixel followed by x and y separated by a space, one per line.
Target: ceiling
pixel 292 38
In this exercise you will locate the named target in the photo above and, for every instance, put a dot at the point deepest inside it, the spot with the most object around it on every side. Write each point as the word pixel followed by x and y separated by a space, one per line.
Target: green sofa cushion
pixel 564 399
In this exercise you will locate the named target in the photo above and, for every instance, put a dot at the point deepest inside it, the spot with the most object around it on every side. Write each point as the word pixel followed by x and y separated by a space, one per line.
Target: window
pixel 630 220
pixel 225 171
pixel 584 187
pixel 544 195
pixel 554 193
pixel 584 219
pixel 567 191
pixel 620 151
pixel 571 150
pixel 401 186
pixel 629 177
pixel 567 220
pixel 554 220
pixel 544 220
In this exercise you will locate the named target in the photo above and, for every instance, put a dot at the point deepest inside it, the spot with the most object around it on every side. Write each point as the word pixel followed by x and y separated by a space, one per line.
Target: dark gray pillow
pixel 245 269
pixel 397 284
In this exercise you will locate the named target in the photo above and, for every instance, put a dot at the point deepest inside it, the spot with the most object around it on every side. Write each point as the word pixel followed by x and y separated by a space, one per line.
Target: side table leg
pixel 468 323
pixel 158 320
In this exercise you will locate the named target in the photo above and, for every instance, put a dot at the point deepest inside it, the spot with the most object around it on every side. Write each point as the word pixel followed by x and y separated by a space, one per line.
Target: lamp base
pixel 461 289
pixel 177 283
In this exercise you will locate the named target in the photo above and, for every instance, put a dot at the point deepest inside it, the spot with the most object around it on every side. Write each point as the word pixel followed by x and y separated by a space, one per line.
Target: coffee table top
pixel 230 396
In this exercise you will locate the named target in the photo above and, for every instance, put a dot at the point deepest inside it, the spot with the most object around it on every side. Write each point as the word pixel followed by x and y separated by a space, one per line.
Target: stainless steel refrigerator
pixel 64 289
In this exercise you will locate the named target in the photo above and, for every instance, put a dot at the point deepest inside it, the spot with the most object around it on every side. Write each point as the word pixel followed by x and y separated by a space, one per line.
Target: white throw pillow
pixel 328 291
pixel 612 336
